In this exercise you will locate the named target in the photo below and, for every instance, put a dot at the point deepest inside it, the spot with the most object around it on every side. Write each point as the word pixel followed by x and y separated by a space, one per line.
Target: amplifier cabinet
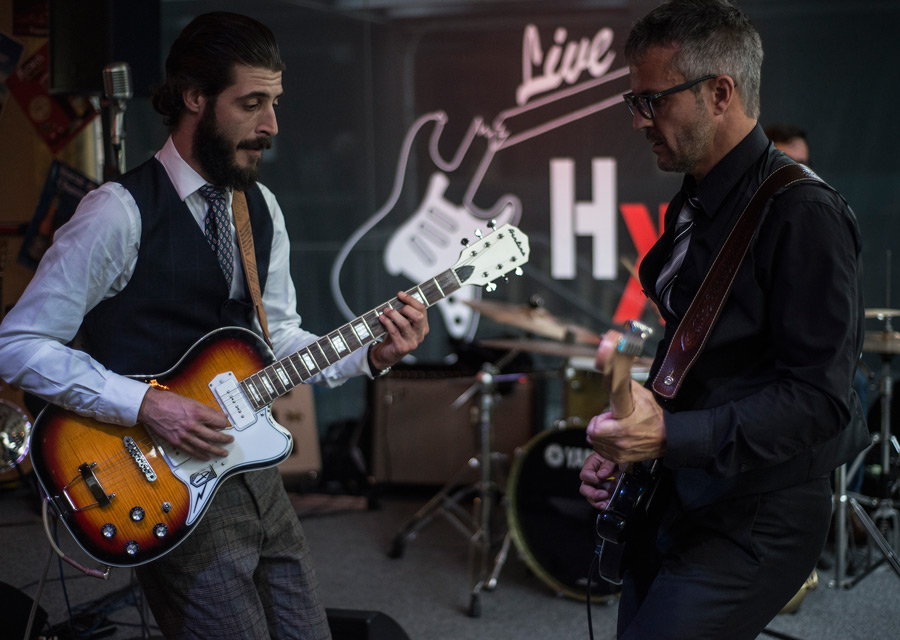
pixel 420 438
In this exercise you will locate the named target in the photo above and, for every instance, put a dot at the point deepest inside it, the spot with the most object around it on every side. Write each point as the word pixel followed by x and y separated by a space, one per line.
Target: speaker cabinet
pixel 350 624
pixel 15 607
pixel 296 412
pixel 420 438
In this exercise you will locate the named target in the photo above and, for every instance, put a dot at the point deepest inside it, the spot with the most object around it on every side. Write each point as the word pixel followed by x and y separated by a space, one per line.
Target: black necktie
pixel 669 274
pixel 218 229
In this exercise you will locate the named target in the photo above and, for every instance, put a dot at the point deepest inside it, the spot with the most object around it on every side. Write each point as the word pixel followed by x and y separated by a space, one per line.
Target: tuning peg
pixel 478 233
pixel 464 242
pixel 492 224
pixel 519 271
pixel 490 286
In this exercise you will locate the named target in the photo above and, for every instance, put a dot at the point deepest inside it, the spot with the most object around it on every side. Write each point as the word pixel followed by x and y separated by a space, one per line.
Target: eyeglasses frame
pixel 633 102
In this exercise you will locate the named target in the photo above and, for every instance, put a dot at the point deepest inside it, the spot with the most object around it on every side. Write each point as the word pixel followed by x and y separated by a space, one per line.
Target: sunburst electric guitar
pixel 128 497
pixel 634 488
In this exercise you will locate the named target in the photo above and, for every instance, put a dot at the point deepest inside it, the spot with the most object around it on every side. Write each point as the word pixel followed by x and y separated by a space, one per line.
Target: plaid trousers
pixel 244 572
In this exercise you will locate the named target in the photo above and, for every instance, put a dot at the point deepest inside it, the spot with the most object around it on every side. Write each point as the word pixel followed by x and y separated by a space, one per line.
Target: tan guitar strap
pixel 248 258
pixel 694 329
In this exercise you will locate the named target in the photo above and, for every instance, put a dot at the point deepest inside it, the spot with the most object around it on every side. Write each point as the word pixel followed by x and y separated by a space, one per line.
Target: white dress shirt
pixel 91 259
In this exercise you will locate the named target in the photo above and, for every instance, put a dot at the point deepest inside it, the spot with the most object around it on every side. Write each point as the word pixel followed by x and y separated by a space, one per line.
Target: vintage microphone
pixel 117 88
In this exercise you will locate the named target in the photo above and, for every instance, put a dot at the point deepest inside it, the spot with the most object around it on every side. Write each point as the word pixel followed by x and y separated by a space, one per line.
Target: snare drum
pixel 552 525
pixel 585 395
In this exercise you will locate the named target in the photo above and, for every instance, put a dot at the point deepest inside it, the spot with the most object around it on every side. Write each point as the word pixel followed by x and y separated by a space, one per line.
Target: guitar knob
pixel 160 530
pixel 132 548
pixel 136 513
pixel 108 530
pixel 166 507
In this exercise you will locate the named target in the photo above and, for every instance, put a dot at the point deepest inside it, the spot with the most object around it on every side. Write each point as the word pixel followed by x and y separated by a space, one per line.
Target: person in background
pixel 746 445
pixel 137 276
pixel 791 140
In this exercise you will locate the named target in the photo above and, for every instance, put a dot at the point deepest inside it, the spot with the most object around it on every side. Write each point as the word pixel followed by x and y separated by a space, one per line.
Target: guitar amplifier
pixel 296 412
pixel 419 438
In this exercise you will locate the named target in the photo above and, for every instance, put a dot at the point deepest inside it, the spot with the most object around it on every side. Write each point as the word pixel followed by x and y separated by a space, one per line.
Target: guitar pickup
pixel 232 400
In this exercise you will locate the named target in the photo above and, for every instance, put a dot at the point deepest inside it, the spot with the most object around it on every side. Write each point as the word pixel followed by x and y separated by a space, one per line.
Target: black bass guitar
pixel 637 481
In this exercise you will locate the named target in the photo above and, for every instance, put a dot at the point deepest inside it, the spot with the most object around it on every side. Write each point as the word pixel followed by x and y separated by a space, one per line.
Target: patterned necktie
pixel 669 274
pixel 218 229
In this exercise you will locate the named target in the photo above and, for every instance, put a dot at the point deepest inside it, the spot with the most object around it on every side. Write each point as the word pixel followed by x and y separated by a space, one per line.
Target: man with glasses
pixel 745 446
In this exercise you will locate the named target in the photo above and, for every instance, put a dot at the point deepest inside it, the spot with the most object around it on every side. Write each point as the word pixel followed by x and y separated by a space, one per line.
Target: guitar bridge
pixel 86 475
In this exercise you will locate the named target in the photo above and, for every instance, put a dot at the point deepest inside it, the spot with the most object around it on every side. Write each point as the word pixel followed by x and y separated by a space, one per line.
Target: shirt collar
pixel 718 183
pixel 185 180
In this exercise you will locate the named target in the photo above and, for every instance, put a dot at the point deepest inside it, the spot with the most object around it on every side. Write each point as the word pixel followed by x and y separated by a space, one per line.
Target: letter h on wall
pixel 569 219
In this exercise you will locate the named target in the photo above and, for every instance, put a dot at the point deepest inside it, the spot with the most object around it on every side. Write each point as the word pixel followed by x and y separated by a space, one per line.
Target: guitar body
pixel 154 494
pixel 128 498
pixel 626 510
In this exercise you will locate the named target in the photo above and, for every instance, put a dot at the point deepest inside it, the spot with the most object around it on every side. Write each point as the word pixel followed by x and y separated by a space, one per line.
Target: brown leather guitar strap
pixel 694 329
pixel 248 257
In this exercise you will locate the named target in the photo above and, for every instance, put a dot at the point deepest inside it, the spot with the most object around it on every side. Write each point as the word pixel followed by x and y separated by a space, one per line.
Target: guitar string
pixel 113 466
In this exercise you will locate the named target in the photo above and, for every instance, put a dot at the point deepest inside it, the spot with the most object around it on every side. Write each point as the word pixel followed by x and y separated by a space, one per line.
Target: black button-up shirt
pixel 769 402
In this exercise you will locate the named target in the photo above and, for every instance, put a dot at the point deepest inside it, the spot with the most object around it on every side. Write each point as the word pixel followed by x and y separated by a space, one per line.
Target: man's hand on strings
pixel 186 424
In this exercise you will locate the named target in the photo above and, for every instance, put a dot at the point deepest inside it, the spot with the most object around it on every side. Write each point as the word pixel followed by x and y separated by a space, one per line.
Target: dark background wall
pixel 359 74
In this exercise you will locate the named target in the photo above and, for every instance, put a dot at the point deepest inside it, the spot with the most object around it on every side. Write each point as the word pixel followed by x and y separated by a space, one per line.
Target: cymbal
pixel 881 342
pixel 543 347
pixel 881 314
pixel 536 320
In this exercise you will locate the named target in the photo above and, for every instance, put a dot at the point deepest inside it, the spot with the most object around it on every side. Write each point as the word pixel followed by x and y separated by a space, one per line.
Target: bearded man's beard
pixel 216 154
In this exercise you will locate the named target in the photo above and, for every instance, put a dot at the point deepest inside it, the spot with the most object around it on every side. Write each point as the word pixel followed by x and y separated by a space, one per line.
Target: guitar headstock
pixel 615 355
pixel 492 256
pixel 631 342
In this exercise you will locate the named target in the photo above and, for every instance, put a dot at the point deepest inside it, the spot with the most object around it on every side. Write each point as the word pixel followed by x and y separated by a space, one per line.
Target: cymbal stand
pixel 885 513
pixel 487 493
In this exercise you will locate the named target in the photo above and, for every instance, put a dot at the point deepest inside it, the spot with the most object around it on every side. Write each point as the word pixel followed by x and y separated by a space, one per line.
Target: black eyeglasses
pixel 644 104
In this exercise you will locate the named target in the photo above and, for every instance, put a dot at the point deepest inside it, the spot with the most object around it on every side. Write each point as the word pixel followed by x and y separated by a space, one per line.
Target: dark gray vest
pixel 177 293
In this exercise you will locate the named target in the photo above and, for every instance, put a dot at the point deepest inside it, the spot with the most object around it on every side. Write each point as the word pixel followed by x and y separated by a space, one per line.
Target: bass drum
pixel 551 524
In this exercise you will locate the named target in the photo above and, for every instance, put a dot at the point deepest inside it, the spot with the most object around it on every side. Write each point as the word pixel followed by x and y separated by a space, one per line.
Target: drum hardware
pixel 886 343
pixel 487 494
pixel 15 441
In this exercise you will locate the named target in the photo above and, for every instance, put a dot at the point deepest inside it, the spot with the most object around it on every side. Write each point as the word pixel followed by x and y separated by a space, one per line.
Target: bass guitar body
pixel 127 498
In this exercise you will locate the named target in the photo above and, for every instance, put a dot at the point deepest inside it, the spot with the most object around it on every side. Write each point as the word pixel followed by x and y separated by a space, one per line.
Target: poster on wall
pixel 63 190
pixel 10 54
pixel 522 122
pixel 56 118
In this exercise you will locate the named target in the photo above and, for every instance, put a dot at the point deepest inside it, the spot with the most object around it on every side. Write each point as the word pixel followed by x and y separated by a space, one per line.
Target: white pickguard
pixel 259 442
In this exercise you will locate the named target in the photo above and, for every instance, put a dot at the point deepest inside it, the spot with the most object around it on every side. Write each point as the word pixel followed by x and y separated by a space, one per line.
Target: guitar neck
pixel 265 386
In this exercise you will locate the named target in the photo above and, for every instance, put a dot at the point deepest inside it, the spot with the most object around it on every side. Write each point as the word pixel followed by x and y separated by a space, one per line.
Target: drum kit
pixel 532 503
pixel 883 524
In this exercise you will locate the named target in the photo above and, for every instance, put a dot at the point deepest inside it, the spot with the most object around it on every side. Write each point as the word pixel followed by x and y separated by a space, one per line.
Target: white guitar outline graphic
pixel 437 227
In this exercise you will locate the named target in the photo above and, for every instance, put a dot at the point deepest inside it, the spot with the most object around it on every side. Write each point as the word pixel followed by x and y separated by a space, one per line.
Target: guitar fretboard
pixel 265 386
